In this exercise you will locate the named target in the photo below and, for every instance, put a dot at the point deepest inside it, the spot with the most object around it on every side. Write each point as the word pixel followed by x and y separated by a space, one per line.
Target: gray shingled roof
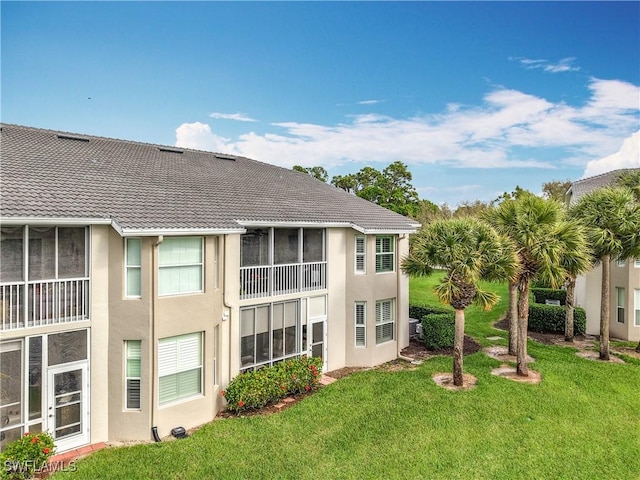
pixel 144 187
pixel 589 184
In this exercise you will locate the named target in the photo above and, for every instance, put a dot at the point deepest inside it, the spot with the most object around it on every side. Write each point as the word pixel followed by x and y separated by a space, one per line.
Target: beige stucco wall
pixel 151 318
pixel 370 287
pixel 99 333
pixel 588 288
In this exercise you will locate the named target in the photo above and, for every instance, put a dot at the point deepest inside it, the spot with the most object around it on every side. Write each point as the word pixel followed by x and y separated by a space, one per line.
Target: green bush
pixel 256 389
pixel 551 319
pixel 26 455
pixel 542 294
pixel 419 311
pixel 438 330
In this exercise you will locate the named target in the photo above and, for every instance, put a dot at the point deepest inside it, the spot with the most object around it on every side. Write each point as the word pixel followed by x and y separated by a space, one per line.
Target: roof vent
pixel 72 137
pixel 222 156
pixel 170 150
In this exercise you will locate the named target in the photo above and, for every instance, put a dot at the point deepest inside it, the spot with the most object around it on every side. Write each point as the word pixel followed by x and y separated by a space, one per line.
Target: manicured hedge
pixel 419 311
pixel 542 294
pixel 438 330
pixel 551 319
pixel 255 389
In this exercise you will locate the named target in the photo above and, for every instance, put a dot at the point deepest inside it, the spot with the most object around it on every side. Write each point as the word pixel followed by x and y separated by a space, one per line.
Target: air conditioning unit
pixel 419 331
pixel 413 323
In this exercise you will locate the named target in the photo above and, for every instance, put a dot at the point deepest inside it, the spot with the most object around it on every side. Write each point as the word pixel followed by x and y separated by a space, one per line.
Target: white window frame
pixel 182 265
pixel 176 356
pixel 129 267
pixel 637 263
pixel 620 304
pixel 360 323
pixel 621 262
pixel 360 249
pixel 132 351
pixel 636 301
pixel 381 322
pixel 380 252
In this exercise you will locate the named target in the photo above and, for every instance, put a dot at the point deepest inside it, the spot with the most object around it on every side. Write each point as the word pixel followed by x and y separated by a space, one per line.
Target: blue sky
pixel 474 97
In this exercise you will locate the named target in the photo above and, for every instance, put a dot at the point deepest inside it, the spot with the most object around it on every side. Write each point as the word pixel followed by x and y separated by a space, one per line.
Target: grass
pixel 581 422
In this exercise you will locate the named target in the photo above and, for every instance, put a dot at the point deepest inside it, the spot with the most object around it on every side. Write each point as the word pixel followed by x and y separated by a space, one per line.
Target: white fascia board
pixel 278 224
pixel 54 221
pixel 385 231
pixel 174 232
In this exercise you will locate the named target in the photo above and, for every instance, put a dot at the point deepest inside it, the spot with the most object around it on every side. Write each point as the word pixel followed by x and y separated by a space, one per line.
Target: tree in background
pixel 319 173
pixel 611 216
pixel 631 180
pixel 470 251
pixel 390 188
pixel 556 189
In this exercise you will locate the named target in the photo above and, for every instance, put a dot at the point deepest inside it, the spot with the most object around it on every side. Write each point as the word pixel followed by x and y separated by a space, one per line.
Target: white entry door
pixel 67 405
pixel 318 340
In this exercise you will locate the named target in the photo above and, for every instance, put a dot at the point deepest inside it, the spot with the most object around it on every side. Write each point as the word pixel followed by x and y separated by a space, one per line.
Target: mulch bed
pixel 418 350
pixel 547 338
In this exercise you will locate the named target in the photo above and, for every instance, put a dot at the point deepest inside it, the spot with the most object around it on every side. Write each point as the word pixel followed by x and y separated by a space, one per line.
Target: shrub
pixel 256 389
pixel 26 455
pixel 419 311
pixel 438 330
pixel 542 294
pixel 551 319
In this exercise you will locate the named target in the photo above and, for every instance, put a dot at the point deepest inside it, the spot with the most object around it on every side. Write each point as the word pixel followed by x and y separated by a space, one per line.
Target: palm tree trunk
pixel 604 308
pixel 458 347
pixel 523 323
pixel 569 309
pixel 512 316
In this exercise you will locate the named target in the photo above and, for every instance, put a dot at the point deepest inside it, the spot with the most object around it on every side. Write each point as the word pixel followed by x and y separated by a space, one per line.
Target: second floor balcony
pixel 282 261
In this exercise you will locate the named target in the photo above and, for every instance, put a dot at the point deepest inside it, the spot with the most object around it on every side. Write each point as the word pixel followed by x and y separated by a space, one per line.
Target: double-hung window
pixel 179 367
pixel 361 254
pixel 181 265
pixel 636 301
pixel 361 324
pixel 620 303
pixel 637 263
pixel 384 253
pixel 133 267
pixel 133 352
pixel 385 323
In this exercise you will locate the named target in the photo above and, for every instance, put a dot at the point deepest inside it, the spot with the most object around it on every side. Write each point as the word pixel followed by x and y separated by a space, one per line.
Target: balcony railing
pixel 45 303
pixel 271 280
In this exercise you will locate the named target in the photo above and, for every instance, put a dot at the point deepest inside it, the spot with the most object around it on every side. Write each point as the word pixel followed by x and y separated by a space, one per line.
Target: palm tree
pixel 538 229
pixel 578 262
pixel 469 250
pixel 611 216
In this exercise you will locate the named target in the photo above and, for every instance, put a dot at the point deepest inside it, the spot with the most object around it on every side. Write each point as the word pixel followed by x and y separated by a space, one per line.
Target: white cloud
pixel 369 102
pixel 199 135
pixel 495 133
pixel 239 117
pixel 562 65
pixel 627 157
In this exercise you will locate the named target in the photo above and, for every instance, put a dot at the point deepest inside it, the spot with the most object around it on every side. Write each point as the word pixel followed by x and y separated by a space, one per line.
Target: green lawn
pixel 581 422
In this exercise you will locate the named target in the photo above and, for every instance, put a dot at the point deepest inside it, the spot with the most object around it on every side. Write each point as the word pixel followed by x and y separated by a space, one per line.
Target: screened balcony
pixel 281 261
pixel 43 276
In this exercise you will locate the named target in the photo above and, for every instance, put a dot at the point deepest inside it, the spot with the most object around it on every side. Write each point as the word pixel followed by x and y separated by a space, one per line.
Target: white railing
pixel 44 303
pixel 271 280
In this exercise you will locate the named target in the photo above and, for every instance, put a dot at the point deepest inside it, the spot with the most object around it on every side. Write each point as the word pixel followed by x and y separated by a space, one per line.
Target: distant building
pixel 625 277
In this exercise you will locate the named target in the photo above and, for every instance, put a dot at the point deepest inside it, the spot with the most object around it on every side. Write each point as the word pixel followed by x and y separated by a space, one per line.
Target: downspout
pixel 398 293
pixel 225 302
pixel 154 307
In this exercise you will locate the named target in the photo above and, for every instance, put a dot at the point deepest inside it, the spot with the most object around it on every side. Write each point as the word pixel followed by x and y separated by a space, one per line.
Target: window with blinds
pixel 133 267
pixel 179 367
pixel 385 323
pixel 361 254
pixel 180 265
pixel 133 360
pixel 384 253
pixel 361 324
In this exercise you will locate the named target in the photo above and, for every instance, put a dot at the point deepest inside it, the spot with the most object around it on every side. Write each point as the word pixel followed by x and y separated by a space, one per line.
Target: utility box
pixel 413 324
